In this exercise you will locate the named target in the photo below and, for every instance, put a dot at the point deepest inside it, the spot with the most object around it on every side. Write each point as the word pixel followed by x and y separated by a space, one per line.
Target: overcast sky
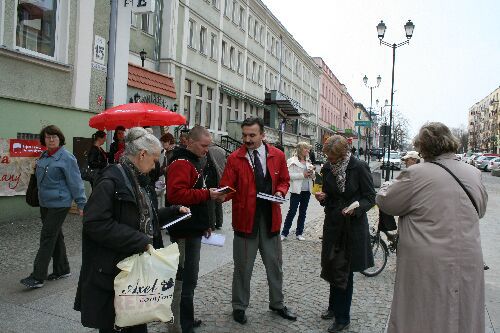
pixel 452 61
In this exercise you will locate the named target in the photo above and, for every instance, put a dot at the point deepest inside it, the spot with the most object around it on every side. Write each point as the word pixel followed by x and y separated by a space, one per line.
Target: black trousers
pixel 132 329
pixel 340 301
pixel 51 244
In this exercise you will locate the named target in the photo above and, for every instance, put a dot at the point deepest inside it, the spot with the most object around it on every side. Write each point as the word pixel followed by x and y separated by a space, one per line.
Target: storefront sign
pixel 154 99
pixel 25 148
pixel 140 6
pixel 15 171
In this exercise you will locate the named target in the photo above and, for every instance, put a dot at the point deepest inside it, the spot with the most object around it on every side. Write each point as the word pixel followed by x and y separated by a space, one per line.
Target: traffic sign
pixel 364 123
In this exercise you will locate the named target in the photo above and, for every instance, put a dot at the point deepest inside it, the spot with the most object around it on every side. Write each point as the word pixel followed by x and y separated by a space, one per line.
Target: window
pixel 191 33
pixel 36 26
pixel 208 111
pixel 215 3
pixel 187 99
pixel 231 58
pixel 228 110
pixel 236 108
pixel 145 23
pixel 254 71
pixel 259 75
pixel 272 45
pixel 250 25
pixel 242 18
pixel 197 106
pixel 221 100
pixel 235 11
pixel 226 8
pixel 223 58
pixel 203 38
pixel 255 28
pixel 212 46
pixel 239 64
pixel 261 37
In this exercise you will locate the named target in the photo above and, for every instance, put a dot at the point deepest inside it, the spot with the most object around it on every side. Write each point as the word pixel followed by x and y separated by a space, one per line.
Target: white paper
pixel 225 190
pixel 214 239
pixel 183 217
pixel 269 197
pixel 351 207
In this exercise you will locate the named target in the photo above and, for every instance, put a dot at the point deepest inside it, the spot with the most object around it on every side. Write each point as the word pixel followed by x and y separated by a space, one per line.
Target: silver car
pixel 483 161
pixel 494 164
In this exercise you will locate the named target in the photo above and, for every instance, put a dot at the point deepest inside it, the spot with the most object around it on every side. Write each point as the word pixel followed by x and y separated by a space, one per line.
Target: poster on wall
pixel 17 160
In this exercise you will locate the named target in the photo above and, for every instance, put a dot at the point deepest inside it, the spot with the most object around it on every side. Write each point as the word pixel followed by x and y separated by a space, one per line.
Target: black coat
pixel 358 187
pixel 97 158
pixel 110 234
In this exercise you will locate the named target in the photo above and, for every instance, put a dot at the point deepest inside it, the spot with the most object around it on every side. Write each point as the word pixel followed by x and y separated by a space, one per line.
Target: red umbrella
pixel 135 114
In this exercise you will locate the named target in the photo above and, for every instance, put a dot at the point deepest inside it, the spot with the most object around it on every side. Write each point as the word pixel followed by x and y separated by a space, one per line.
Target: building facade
pixel 484 124
pixel 225 56
pixel 336 106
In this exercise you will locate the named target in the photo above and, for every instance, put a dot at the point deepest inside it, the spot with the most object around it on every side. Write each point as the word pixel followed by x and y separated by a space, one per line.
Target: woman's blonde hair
pixel 301 146
pixel 336 144
pixel 435 139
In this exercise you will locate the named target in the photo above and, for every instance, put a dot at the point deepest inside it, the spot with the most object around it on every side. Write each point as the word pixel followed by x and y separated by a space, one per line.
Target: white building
pixel 225 55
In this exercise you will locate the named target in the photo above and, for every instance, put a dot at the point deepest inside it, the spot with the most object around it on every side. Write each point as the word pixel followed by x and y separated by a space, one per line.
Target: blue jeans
pixel 301 199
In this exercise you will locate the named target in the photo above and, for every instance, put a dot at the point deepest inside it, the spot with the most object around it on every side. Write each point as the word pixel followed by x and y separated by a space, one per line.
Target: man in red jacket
pixel 186 187
pixel 256 167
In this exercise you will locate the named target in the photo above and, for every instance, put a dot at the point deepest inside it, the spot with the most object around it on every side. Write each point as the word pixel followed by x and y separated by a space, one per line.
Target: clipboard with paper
pixel 177 220
pixel 272 198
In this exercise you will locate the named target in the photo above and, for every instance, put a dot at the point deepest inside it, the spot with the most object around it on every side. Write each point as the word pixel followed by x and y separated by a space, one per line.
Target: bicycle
pixel 380 251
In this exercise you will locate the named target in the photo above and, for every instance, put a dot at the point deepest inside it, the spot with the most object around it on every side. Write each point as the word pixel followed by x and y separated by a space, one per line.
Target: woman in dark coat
pixel 119 221
pixel 117 145
pixel 346 180
pixel 97 158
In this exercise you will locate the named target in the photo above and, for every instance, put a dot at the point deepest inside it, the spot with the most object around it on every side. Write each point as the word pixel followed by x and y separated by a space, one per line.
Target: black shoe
pixel 336 327
pixel 240 316
pixel 284 313
pixel 197 323
pixel 32 283
pixel 218 227
pixel 328 314
pixel 54 276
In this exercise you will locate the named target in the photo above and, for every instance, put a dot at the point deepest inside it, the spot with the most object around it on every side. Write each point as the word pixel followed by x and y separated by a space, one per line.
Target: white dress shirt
pixel 262 157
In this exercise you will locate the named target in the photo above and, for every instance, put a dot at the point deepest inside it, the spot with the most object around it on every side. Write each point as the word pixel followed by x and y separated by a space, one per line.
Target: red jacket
pixel 182 176
pixel 239 175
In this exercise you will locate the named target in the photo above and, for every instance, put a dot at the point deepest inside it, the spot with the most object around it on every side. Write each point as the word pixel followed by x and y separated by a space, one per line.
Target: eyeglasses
pixel 51 137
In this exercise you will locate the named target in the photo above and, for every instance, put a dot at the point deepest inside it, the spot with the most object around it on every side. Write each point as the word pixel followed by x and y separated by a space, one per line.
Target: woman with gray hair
pixel 347 195
pixel 119 221
pixel 301 181
pixel 439 279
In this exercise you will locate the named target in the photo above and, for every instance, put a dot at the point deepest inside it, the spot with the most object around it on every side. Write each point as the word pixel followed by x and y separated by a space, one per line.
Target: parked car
pixel 473 157
pixel 377 152
pixel 483 161
pixel 392 160
pixel 494 164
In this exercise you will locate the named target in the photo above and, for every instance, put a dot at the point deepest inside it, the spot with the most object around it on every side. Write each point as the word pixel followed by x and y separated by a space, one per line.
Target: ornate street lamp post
pixel 381 27
pixel 367 143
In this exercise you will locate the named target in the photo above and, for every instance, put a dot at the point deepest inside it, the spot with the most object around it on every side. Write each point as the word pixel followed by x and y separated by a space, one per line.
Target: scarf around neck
pixel 142 200
pixel 339 171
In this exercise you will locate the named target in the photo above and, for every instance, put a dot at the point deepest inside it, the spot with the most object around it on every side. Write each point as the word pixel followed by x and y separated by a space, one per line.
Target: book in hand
pixel 270 197
pixel 214 239
pixel 225 190
pixel 176 220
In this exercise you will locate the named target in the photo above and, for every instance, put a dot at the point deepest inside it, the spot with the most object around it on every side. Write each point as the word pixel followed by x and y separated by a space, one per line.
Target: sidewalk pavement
pixel 49 309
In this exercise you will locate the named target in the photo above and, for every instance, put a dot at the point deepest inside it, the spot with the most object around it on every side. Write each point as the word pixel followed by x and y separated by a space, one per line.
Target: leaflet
pixel 183 217
pixel 272 198
pixel 214 239
pixel 225 190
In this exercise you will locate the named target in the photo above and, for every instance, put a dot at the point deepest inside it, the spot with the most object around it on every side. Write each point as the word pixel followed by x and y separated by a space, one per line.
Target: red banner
pixel 25 148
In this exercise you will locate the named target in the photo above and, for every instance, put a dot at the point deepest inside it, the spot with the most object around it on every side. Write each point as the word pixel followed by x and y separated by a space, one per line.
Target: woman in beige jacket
pixel 439 280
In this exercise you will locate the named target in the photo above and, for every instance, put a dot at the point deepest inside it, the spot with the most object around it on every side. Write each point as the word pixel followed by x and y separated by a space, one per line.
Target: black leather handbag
pixel 32 192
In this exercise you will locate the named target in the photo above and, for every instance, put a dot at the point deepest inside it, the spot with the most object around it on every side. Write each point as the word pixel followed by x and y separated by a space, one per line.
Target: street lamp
pixel 381 27
pixel 143 56
pixel 367 145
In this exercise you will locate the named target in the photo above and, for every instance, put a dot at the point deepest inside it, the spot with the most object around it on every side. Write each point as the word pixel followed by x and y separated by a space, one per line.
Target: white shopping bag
pixel 145 286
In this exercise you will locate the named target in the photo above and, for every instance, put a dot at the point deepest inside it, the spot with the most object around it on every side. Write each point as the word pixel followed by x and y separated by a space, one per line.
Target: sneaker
pixel 32 283
pixel 301 238
pixel 54 276
pixel 283 238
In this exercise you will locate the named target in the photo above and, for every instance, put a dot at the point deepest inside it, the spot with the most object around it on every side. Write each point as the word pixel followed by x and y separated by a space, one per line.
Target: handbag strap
pixel 461 185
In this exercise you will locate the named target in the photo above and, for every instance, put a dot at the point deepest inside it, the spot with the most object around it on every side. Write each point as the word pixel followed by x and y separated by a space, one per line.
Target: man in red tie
pixel 256 168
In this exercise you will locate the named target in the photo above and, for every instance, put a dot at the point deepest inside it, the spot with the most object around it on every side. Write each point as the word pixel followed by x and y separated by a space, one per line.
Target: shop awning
pixel 287 105
pixel 148 80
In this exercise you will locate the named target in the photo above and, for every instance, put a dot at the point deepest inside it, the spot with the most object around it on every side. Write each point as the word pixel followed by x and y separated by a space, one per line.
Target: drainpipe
pixel 110 77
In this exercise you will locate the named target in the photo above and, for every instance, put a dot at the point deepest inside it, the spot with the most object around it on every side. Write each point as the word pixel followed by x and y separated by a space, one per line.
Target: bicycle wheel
pixel 380 252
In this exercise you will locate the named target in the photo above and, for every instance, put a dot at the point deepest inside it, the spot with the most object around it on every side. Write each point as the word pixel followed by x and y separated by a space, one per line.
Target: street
pixel 49 309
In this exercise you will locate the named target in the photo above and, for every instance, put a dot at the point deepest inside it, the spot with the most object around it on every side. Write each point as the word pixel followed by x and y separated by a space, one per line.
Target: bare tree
pixel 400 130
pixel 462 135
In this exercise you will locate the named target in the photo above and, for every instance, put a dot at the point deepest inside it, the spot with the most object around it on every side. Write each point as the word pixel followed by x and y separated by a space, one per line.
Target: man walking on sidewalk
pixel 256 167
pixel 186 187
